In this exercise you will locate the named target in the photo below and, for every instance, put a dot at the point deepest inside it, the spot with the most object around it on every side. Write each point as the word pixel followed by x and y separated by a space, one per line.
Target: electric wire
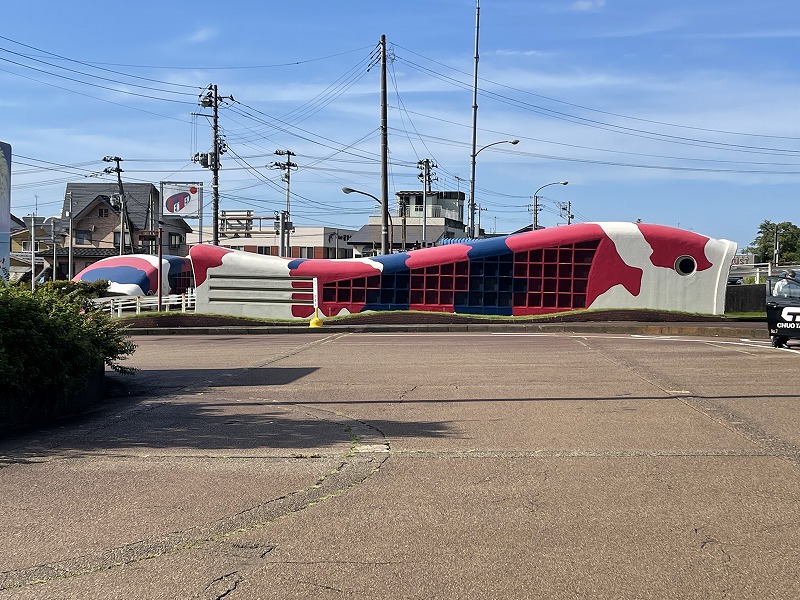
pixel 651 121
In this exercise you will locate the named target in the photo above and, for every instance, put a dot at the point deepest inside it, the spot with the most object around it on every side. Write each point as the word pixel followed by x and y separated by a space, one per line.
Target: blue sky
pixel 680 113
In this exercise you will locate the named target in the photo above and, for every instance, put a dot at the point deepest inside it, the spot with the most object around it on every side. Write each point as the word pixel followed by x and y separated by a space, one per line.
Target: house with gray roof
pixel 99 216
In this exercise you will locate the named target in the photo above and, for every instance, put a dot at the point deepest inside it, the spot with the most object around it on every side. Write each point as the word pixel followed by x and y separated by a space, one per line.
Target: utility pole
pixel 33 251
pixel 211 160
pixel 55 253
pixel 287 177
pixel 776 248
pixel 426 166
pixel 478 209
pixel 403 211
pixel 122 217
pixel 69 259
pixel 566 207
pixel 471 208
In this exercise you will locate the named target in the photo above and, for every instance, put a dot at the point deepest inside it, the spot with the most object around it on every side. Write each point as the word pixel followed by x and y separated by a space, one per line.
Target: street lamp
pixel 536 202
pixel 471 223
pixel 384 250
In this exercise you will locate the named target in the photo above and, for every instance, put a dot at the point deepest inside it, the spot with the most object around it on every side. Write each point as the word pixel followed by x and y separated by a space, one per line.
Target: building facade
pixel 246 231
pixel 419 219
pixel 103 223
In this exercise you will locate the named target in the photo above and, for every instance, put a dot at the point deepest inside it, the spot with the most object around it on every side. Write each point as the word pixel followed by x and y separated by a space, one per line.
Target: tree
pixel 763 247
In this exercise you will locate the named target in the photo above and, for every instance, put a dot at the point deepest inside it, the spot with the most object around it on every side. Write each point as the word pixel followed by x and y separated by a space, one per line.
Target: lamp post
pixel 388 215
pixel 535 224
pixel 471 222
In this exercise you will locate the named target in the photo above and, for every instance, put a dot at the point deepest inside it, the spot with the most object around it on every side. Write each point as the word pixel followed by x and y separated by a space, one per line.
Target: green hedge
pixel 52 341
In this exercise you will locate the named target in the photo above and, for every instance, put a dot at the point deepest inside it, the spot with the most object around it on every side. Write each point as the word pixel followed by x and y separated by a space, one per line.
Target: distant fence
pixel 116 306
pixel 745 298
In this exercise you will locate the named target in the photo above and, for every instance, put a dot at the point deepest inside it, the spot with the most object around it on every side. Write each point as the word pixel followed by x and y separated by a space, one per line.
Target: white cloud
pixel 502 52
pixel 202 35
pixel 583 5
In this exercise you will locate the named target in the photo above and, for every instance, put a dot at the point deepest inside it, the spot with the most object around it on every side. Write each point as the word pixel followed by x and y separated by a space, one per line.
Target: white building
pixel 419 220
pixel 243 230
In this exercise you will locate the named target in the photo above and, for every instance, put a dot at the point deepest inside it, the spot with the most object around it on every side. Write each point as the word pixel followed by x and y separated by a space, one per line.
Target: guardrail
pixel 116 306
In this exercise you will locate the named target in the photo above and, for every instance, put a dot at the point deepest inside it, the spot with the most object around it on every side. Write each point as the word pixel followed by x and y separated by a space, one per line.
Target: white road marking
pixel 745 342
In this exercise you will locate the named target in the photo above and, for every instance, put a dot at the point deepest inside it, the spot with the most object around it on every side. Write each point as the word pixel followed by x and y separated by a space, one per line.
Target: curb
pixel 734 330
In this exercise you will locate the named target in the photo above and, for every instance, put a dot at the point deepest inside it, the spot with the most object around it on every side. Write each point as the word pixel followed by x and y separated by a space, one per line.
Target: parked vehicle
pixel 783 308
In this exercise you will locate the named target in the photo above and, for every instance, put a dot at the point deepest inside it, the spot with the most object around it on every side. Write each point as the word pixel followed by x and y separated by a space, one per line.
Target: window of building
pixel 307 252
pixel 264 250
pixel 83 237
pixel 175 240
pixel 338 253
pixel 26 246
pixel 116 239
pixel 102 212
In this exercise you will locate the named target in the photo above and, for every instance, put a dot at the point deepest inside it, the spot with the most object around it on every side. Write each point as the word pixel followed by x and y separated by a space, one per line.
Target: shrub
pixel 51 341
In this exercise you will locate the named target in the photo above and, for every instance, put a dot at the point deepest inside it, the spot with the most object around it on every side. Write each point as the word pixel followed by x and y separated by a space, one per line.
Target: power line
pixel 651 121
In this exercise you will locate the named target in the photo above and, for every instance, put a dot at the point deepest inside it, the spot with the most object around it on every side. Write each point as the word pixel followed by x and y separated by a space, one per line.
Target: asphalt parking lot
pixel 417 465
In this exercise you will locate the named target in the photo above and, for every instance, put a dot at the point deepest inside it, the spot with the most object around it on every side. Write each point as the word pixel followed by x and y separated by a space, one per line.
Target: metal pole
pixel 472 231
pixel 282 246
pixel 69 264
pixel 288 206
pixel 384 154
pixel 426 167
pixel 55 254
pixel 33 251
pixel 390 233
pixel 536 198
pixel 403 207
pixel 122 207
pixel 121 224
pixel 160 268
pixel 776 250
pixel 215 169
pixel 287 177
pixel 474 125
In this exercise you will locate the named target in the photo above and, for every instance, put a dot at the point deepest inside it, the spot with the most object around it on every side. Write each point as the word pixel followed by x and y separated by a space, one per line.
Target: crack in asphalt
pixel 738 423
pixel 353 470
pixel 369 449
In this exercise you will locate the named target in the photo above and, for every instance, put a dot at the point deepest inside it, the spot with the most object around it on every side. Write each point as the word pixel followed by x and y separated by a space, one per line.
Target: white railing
pixel 116 306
